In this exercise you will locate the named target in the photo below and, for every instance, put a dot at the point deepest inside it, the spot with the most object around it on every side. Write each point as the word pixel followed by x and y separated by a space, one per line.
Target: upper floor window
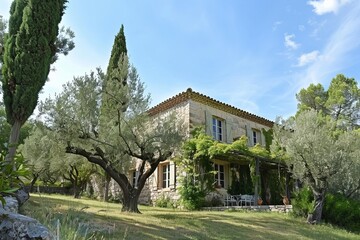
pixel 256 137
pixel 218 129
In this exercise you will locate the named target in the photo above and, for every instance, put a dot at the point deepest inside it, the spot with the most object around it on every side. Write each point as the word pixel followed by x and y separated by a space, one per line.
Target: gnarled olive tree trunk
pixel 319 197
pixel 106 187
pixel 130 193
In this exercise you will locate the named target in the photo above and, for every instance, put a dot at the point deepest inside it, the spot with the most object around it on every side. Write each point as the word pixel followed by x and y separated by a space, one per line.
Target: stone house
pixel 223 122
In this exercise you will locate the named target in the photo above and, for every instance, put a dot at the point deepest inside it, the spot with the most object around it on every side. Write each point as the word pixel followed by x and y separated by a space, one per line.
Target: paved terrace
pixel 260 208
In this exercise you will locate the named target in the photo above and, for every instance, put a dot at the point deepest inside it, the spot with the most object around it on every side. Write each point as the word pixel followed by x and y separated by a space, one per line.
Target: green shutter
pixel 155 178
pixel 249 135
pixel 262 138
pixel 208 123
pixel 228 127
pixel 172 175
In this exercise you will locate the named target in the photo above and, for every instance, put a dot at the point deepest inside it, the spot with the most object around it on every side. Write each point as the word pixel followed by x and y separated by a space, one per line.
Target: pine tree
pixel 30 48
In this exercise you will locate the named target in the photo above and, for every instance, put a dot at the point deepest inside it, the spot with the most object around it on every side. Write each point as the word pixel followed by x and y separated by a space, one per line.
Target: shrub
pixel 192 197
pixel 213 200
pixel 164 202
pixel 342 212
pixel 303 203
pixel 10 174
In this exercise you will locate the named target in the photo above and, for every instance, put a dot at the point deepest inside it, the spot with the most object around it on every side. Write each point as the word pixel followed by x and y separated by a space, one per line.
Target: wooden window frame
pixel 220 175
pixel 164 175
pixel 218 129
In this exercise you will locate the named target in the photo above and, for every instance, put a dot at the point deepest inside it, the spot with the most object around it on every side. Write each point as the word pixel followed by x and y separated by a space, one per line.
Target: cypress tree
pixel 118 51
pixel 114 87
pixel 29 50
pixel 117 70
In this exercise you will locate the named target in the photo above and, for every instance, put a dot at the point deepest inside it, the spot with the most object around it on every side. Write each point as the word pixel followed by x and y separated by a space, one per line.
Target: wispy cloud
pixel 327 6
pixel 308 58
pixel 334 58
pixel 289 41
pixel 317 26
pixel 275 25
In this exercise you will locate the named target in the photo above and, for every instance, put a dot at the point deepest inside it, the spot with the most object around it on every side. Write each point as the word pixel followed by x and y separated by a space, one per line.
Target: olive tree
pixel 316 154
pixel 125 138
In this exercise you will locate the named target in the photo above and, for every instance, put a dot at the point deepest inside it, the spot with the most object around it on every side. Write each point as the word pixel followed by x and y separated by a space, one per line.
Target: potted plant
pixel 268 196
pixel 285 200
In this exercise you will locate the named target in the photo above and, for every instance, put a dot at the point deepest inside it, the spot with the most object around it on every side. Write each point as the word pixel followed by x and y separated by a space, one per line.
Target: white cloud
pixel 339 52
pixel 327 6
pixel 337 56
pixel 307 58
pixel 289 41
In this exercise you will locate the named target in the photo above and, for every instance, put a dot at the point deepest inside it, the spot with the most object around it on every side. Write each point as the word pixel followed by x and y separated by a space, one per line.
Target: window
pixel 218 129
pixel 220 175
pixel 134 178
pixel 165 175
pixel 256 137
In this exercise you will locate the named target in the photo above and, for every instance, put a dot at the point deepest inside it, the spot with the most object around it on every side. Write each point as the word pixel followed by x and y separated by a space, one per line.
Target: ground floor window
pixel 164 174
pixel 220 175
pixel 134 178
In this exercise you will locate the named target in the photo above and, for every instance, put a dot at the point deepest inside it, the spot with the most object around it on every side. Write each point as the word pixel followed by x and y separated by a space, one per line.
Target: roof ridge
pixel 191 94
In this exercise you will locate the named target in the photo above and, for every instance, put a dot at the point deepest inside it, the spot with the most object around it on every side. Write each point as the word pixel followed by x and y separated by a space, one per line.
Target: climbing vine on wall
pixel 198 168
pixel 268 134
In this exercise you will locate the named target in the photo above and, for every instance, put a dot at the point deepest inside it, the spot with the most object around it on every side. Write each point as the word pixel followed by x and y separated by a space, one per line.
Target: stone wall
pixel 191 113
pixel 16 226
pixel 168 193
pixel 235 125
pixel 154 191
pixel 194 114
pixel 51 190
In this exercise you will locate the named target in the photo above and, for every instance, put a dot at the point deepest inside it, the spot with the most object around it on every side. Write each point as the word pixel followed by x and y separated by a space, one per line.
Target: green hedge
pixel 303 203
pixel 192 197
pixel 343 212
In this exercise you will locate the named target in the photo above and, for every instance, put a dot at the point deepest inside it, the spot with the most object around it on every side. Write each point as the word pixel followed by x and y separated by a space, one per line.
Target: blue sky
pixel 255 54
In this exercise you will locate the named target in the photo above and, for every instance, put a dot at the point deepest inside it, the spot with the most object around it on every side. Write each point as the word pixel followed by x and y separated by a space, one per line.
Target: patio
pixel 262 208
pixel 239 200
pixel 263 168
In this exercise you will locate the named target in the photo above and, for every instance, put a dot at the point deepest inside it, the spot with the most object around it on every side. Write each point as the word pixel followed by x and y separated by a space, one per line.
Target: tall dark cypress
pixel 118 50
pixel 116 76
pixel 29 50
pixel 113 88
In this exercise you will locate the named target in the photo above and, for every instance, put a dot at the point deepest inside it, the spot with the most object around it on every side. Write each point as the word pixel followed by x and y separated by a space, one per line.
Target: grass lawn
pixel 89 219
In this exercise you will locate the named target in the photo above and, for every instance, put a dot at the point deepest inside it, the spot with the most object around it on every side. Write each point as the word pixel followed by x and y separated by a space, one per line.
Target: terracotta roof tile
pixel 198 97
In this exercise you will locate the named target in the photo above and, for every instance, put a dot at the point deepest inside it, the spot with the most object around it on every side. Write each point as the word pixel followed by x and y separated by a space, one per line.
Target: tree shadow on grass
pixel 157 223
